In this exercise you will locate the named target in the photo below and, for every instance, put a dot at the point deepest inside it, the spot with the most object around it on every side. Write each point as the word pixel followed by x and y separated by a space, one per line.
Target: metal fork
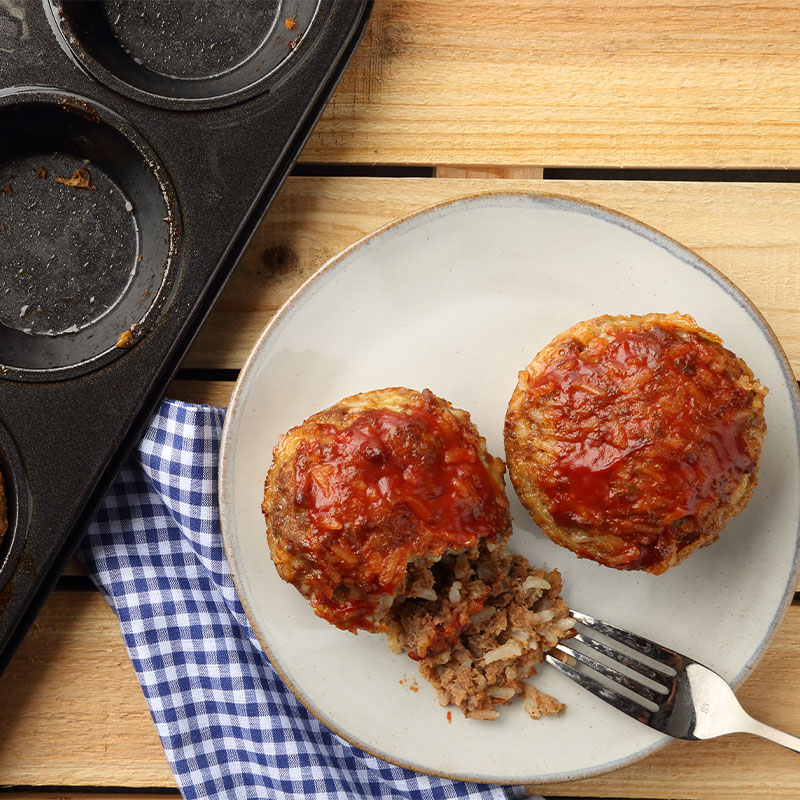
pixel 673 693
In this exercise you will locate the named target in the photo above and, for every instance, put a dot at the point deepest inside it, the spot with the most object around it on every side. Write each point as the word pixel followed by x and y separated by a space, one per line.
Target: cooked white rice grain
pixel 501 693
pixel 534 582
pixel 510 649
pixel 482 714
pixel 479 617
pixel 550 635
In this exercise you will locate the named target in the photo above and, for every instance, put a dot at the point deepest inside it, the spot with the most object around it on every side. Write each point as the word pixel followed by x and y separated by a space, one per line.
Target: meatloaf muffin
pixel 389 515
pixel 633 440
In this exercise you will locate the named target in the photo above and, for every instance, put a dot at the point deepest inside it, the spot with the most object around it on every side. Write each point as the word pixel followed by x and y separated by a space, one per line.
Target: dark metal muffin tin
pixel 141 142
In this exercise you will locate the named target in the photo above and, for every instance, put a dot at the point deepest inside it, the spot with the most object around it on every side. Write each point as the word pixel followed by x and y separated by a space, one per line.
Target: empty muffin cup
pixel 185 54
pixel 15 498
pixel 89 232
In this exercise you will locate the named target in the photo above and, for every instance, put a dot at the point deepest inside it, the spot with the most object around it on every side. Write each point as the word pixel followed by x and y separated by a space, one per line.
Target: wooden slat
pixel 74 567
pixel 751 232
pixel 488 171
pixel 570 82
pixel 215 393
pixel 73 714
pixel 94 794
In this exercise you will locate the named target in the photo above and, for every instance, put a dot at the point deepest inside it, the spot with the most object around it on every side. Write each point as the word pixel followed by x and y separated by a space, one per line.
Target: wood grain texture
pixel 570 82
pixel 74 567
pixel 488 171
pixel 215 393
pixel 750 232
pixel 93 794
pixel 74 715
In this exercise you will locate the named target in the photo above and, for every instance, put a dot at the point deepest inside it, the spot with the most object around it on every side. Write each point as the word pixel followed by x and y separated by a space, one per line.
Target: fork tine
pixel 646 692
pixel 621 658
pixel 668 661
pixel 617 700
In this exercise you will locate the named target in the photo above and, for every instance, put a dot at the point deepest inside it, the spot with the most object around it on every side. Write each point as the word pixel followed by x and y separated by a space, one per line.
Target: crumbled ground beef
pixel 478 623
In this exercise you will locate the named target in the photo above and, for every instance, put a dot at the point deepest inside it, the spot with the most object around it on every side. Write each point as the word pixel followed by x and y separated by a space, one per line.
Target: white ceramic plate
pixel 458 298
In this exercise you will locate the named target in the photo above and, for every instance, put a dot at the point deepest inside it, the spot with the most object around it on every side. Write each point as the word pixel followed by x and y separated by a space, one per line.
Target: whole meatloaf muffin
pixel 633 440
pixel 389 515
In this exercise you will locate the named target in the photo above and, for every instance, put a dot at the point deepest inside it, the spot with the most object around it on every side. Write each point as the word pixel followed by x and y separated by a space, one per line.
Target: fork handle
pixel 773 734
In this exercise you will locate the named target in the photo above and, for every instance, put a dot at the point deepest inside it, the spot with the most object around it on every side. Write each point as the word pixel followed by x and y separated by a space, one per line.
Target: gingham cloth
pixel 229 726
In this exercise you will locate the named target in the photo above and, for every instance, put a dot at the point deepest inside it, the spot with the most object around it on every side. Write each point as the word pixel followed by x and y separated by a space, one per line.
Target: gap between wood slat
pixel 362 171
pixel 666 174
pixel 77 581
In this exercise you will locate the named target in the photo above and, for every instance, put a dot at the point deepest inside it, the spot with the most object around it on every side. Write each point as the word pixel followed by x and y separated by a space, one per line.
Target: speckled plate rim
pixel 552 200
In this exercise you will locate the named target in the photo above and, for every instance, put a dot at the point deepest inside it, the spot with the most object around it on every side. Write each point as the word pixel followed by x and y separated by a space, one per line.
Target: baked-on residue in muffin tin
pixel 88 233
pixel 201 55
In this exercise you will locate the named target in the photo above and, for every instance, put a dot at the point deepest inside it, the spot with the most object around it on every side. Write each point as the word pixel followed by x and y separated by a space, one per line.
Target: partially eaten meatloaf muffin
pixel 633 440
pixel 389 515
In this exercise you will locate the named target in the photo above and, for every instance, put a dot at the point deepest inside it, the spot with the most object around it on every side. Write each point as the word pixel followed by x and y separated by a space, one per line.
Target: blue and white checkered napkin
pixel 229 726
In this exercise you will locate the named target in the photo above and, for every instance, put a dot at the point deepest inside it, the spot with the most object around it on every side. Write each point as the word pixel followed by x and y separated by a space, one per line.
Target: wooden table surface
pixel 684 115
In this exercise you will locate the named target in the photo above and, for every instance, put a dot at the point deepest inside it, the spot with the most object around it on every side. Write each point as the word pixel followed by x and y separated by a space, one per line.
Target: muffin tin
pixel 141 142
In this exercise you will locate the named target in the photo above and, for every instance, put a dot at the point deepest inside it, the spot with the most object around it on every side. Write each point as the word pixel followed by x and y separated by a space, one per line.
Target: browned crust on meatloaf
pixel 531 442
pixel 296 546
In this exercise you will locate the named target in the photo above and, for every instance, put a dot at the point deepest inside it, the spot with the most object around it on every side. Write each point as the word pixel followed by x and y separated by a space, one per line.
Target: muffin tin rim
pixel 72 46
pixel 96 111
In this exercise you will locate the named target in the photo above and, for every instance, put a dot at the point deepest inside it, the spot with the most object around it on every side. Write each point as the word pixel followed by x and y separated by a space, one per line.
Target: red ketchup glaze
pixel 382 490
pixel 649 431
